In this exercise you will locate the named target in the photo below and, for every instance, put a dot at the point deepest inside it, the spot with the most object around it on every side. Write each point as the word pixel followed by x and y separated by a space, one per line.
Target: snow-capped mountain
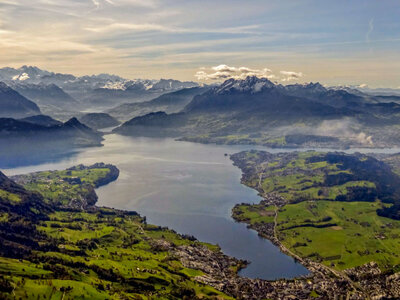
pixel 251 84
pixel 30 74
pixel 102 90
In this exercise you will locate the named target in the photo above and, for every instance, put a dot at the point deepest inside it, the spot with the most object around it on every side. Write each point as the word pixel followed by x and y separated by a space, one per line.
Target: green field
pixel 97 253
pixel 354 236
pixel 62 187
pixel 331 211
pixel 256 213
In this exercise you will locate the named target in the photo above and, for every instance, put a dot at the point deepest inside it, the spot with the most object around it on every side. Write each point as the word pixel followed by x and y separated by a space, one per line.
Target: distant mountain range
pixel 91 92
pixel 42 120
pixel 170 103
pixel 44 94
pixel 256 110
pixel 44 128
pixel 99 120
pixel 253 110
pixel 13 104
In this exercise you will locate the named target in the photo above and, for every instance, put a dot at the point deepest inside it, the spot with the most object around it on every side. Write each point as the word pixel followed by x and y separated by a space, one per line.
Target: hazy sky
pixel 335 42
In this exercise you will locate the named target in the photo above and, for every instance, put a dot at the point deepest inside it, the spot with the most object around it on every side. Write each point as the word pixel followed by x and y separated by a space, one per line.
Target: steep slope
pixel 42 120
pixel 98 120
pixel 70 133
pixel 116 93
pixel 45 94
pixel 257 111
pixel 154 124
pixel 94 91
pixel 60 245
pixel 246 107
pixel 13 104
pixel 336 97
pixel 170 103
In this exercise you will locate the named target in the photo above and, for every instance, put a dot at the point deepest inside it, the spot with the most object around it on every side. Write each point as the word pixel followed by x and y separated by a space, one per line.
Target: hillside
pixel 257 111
pixel 37 130
pixel 98 120
pixel 315 192
pixel 41 120
pixel 170 103
pixel 52 249
pixel 13 104
pixel 328 210
pixel 45 94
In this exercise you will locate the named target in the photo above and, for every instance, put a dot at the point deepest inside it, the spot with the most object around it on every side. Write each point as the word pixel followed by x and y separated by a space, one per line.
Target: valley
pixel 328 221
pixel 77 250
pixel 199 150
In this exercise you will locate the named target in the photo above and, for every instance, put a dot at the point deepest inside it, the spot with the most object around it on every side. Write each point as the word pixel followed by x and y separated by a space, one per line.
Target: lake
pixel 188 187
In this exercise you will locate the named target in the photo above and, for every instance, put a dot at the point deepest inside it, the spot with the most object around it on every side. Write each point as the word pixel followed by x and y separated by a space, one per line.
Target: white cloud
pixel 221 72
pixel 118 27
pixel 127 26
pixel 363 85
pixel 22 77
pixel 96 3
pixel 224 68
pixel 224 72
pixel 290 75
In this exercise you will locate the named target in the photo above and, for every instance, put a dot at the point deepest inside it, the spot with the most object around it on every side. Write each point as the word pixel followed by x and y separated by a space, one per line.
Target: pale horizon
pixel 337 43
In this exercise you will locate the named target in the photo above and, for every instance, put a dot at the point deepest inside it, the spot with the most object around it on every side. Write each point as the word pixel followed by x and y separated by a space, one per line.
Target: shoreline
pixel 352 283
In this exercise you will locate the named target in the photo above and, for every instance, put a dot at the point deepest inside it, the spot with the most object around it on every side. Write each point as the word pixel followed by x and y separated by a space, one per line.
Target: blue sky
pixel 334 42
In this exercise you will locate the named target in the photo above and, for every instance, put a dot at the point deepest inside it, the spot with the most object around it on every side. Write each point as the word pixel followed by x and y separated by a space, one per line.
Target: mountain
pixel 33 75
pixel 40 139
pixel 100 91
pixel 154 124
pixel 261 98
pixel 171 84
pixel 13 104
pixel 17 201
pixel 169 103
pixel 42 120
pixel 99 120
pixel 336 96
pixel 57 244
pixel 25 73
pixel 257 111
pixel 45 94
pixel 132 91
pixel 70 133
pixel 380 91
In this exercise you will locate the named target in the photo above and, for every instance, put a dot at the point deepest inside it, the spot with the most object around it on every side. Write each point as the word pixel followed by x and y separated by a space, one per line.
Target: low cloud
pixel 222 72
pixel 131 27
pixel 346 128
pixel 290 75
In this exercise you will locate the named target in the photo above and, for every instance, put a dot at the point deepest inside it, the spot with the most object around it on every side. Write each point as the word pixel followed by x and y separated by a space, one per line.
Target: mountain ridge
pixel 14 104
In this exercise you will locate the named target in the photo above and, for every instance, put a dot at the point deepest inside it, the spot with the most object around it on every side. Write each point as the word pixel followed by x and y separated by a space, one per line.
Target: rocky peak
pixel 251 84
pixel 73 122
pixel 313 88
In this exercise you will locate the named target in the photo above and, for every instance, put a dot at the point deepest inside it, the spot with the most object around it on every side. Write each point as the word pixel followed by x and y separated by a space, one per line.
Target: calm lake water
pixel 188 187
